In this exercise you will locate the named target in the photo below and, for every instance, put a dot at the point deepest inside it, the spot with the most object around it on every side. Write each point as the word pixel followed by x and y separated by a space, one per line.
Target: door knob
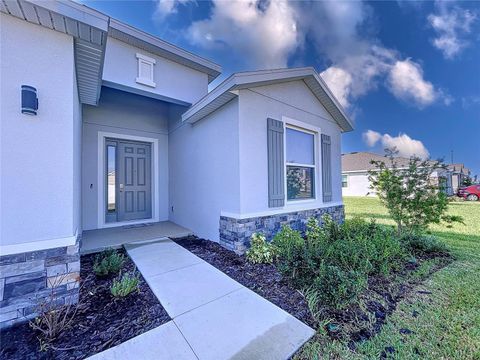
pixel 121 187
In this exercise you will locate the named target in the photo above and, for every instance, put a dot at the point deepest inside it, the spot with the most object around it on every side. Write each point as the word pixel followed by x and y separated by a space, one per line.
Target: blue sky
pixel 408 73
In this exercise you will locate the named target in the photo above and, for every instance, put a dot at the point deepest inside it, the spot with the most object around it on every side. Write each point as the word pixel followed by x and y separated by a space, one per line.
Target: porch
pixel 115 237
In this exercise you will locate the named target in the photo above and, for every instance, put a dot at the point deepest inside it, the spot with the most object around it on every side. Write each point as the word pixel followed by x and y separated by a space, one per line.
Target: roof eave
pixel 216 98
pixel 143 40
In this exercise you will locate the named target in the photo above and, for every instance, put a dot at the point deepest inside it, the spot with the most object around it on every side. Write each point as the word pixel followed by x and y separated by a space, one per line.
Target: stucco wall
pixel 293 100
pixel 357 185
pixel 122 113
pixel 37 152
pixel 172 79
pixel 204 170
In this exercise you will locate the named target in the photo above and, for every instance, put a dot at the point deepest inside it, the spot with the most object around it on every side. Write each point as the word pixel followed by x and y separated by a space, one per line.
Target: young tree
pixel 413 200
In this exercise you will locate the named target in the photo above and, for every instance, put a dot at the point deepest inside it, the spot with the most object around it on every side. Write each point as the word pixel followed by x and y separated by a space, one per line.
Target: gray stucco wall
pixel 122 113
pixel 204 172
pixel 295 101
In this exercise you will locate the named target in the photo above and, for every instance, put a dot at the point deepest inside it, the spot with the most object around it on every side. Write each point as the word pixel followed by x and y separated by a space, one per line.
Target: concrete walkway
pixel 214 317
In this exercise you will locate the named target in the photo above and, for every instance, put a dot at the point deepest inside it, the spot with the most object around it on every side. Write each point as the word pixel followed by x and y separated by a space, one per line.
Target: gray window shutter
pixel 276 171
pixel 326 168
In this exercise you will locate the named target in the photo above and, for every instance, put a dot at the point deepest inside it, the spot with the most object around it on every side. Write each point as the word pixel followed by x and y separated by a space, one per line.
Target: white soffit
pixel 227 90
pixel 88 28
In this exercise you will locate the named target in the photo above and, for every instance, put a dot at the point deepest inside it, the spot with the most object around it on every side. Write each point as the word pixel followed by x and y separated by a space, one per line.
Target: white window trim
pixel 315 131
pixel 101 179
pixel 149 61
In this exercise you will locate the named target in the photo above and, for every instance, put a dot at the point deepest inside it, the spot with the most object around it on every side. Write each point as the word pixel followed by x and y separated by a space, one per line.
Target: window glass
pixel 300 147
pixel 344 181
pixel 300 183
pixel 111 177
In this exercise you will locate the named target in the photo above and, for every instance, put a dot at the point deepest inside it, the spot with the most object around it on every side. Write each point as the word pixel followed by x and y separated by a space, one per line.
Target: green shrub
pixel 125 285
pixel 290 251
pixel 336 287
pixel 419 244
pixel 108 262
pixel 260 252
pixel 335 260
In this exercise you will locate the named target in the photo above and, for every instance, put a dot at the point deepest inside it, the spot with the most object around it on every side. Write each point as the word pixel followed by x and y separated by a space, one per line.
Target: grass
pixel 444 318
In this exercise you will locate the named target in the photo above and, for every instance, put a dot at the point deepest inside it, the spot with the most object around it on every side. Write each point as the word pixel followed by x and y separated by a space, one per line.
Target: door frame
pixel 102 179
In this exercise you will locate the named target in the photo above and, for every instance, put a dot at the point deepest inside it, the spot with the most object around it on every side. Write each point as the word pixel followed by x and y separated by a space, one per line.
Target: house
pixel 126 133
pixel 355 167
pixel 459 174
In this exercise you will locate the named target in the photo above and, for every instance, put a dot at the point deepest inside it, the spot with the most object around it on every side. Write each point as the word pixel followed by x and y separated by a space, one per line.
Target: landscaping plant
pixel 260 252
pixel 125 285
pixel 108 262
pixel 413 200
pixel 335 260
pixel 53 317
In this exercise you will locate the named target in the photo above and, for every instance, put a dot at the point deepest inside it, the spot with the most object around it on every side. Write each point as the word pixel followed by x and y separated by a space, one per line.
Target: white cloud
pixel 167 7
pixel 263 36
pixel 406 82
pixel 340 82
pixel 371 137
pixel 404 144
pixel 451 25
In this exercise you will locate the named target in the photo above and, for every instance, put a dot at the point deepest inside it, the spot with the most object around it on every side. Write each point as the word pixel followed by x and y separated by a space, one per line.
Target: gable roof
pixel 226 91
pixel 360 161
pixel 155 45
pixel 90 29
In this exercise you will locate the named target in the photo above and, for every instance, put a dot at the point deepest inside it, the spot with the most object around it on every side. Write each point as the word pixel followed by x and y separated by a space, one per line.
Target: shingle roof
pixel 360 161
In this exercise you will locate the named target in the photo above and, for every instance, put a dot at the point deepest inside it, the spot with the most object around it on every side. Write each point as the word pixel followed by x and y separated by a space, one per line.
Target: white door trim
pixel 102 135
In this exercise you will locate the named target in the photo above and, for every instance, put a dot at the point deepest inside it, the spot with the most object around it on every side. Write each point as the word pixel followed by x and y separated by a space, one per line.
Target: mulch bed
pixel 352 324
pixel 100 323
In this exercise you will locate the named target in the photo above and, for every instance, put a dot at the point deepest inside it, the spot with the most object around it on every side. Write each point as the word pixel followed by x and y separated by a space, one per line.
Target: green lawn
pixel 447 325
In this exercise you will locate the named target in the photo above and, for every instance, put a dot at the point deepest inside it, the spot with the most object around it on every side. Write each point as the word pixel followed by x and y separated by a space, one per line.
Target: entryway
pixel 128 180
pixel 115 237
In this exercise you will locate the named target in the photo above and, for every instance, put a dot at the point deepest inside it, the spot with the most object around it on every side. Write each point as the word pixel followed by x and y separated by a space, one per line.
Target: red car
pixel 471 193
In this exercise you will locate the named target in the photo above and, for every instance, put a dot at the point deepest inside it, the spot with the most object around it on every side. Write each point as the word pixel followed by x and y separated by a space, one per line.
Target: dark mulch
pixel 353 324
pixel 265 280
pixel 100 322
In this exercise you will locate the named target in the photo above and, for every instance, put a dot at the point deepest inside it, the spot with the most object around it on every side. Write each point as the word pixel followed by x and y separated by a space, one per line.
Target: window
pixel 300 164
pixel 111 178
pixel 145 70
pixel 344 181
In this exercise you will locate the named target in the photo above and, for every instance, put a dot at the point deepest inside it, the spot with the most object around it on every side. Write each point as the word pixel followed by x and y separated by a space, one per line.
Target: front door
pixel 133 196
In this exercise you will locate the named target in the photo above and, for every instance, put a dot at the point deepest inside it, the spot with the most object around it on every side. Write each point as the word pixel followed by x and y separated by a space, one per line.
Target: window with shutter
pixel 326 168
pixel 276 189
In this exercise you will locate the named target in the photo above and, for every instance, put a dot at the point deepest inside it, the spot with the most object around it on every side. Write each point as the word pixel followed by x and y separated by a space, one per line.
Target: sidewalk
pixel 214 317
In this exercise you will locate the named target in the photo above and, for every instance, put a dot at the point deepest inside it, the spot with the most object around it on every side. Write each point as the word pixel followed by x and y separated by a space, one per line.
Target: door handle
pixel 121 187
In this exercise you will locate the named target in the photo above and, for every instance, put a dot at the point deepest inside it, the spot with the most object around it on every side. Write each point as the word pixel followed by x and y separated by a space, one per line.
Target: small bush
pixel 419 244
pixel 125 285
pixel 290 250
pixel 335 260
pixel 260 252
pixel 336 287
pixel 108 262
pixel 53 318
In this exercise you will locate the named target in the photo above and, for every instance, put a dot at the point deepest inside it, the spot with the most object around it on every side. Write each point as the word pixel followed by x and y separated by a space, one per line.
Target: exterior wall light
pixel 29 100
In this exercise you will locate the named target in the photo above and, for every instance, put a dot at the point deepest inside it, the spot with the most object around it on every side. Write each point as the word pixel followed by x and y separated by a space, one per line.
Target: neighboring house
pixel 355 167
pixel 459 174
pixel 126 133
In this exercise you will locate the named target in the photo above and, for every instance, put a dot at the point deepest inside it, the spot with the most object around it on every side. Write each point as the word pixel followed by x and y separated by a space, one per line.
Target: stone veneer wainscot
pixel 235 233
pixel 27 278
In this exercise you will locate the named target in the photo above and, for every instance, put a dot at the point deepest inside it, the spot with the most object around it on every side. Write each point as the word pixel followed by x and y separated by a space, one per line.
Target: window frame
pixel 346 181
pixel 142 59
pixel 311 130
